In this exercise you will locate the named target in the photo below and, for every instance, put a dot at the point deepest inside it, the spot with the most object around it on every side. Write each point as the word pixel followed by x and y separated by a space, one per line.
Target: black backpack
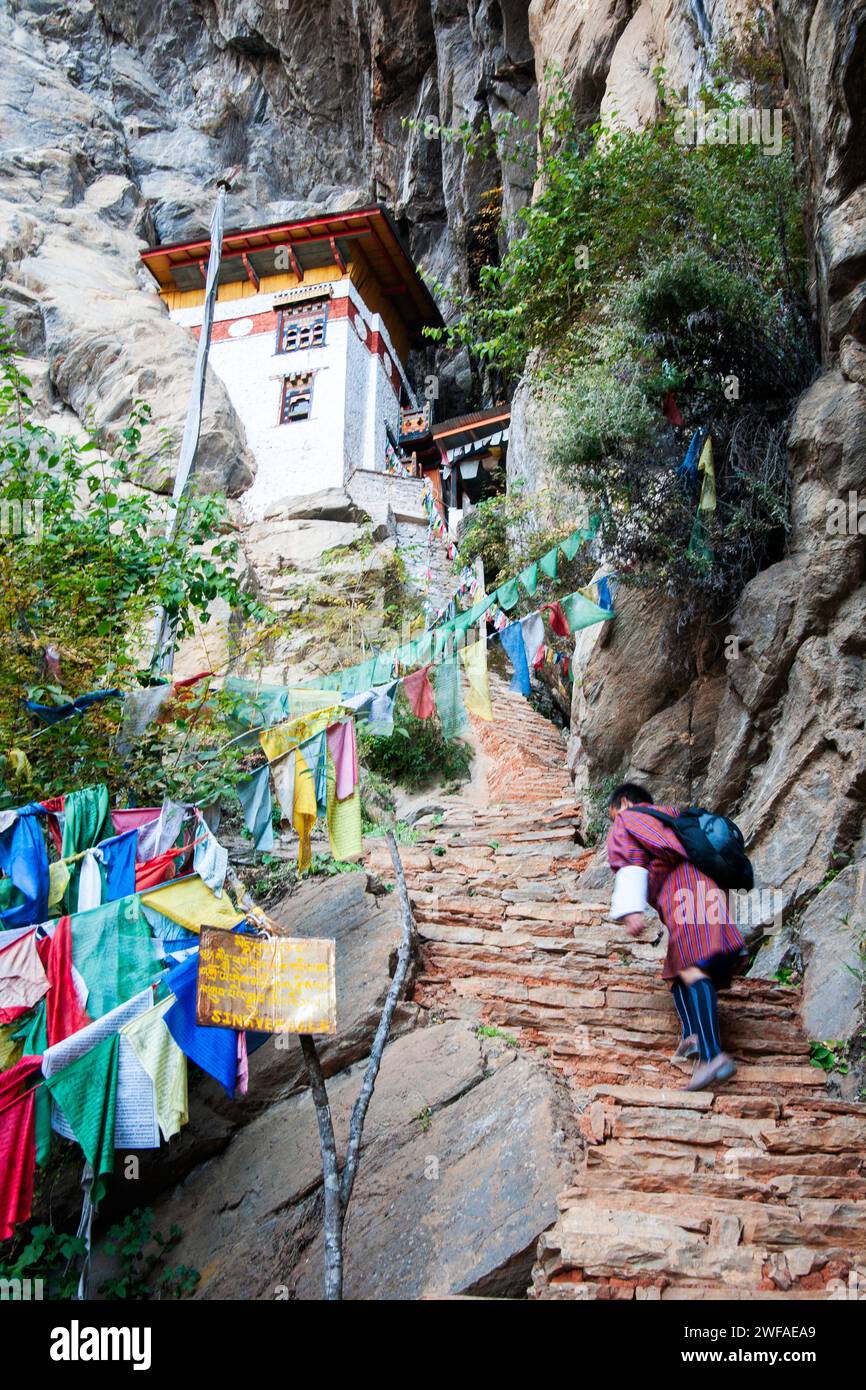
pixel 714 844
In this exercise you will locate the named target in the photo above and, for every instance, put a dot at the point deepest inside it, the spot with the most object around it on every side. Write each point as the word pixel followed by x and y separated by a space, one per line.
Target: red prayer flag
pixel 17 1142
pixel 64 1014
pixel 419 693
pixel 558 620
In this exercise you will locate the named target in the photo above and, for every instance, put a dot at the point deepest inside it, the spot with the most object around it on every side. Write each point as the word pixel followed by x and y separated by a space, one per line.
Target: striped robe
pixel 693 908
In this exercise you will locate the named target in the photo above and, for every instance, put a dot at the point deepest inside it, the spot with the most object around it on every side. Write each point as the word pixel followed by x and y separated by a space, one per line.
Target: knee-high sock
pixel 703 1008
pixel 678 994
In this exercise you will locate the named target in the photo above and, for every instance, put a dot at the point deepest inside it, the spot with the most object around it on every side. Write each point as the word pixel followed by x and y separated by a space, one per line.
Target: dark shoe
pixel 719 1069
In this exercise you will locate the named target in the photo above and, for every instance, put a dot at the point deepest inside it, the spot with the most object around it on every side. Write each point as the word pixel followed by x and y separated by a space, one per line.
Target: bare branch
pixel 404 957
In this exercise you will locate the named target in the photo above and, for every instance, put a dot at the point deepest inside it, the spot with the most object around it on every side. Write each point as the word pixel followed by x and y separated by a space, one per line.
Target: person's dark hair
pixel 629 791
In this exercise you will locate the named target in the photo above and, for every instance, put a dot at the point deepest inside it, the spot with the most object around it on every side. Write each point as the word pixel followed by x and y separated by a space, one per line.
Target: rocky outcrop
pixel 461 1135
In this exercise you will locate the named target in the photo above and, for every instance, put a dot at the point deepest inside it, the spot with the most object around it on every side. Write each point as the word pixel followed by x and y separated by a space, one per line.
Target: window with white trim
pixel 302 326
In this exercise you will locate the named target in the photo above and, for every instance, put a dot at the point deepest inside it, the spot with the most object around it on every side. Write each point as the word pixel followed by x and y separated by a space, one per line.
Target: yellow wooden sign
pixel 266 984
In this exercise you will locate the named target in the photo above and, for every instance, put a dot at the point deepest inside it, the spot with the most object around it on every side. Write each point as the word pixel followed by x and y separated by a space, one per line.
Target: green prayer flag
pixel 86 1092
pixel 571 545
pixel 34 1032
pixel 449 698
pixel 383 668
pixel 582 612
pixel 114 951
pixel 699 546
pixel 550 562
pixel 529 579
pixel 86 821
pixel 507 594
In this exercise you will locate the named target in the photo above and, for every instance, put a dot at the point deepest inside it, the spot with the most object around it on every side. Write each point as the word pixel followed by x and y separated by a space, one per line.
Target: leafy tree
pixel 84 566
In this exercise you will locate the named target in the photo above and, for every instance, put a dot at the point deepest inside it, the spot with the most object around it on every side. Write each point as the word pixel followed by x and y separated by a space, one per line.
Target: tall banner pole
pixel 162 659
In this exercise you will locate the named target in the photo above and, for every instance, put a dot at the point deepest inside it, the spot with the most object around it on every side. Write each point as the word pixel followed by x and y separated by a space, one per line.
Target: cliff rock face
pixel 117 121
pixel 777 738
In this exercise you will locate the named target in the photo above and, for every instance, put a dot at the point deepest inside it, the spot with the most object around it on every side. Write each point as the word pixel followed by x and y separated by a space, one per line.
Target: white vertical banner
pixel 163 651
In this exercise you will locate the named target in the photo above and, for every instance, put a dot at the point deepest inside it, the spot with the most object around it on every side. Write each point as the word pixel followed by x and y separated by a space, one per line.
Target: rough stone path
pixel 757 1190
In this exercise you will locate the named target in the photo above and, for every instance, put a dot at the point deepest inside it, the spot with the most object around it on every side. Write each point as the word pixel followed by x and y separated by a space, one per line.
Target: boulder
pixel 367 929
pixel 672 750
pixel 833 943
pixel 453 1140
pixel 635 668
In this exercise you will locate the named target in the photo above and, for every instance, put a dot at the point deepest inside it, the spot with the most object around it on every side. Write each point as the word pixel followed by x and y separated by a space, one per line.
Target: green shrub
pixel 647 266
pixel 416 754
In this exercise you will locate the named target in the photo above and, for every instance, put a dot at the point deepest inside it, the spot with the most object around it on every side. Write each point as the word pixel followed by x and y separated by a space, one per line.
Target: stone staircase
pixel 757 1190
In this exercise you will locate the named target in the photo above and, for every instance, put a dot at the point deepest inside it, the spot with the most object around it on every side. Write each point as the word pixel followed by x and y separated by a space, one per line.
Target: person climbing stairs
pixel 757 1190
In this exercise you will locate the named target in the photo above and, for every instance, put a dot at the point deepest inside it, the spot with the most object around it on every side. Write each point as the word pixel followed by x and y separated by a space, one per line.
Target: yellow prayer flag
pixel 283 737
pixel 707 502
pixel 305 811
pixel 190 903
pixel 58 882
pixel 477 697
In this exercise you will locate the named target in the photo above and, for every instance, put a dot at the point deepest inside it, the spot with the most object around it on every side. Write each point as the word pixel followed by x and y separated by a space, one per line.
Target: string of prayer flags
pixel 477 698
pixel 419 693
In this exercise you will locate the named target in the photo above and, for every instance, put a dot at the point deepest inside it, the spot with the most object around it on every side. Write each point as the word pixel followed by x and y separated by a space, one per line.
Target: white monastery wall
pixel 356 382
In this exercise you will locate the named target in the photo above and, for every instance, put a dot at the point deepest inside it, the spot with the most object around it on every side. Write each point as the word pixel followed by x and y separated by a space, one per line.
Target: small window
pixel 302 326
pixel 297 398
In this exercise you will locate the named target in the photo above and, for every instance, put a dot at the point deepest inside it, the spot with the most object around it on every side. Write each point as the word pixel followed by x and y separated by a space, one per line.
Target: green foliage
pixel 596 821
pixel 646 266
pixel 829 1056
pixel 140 1251
pixel 612 204
pixel 40 1252
pixel 416 754
pixel 487 1030
pixel 87 577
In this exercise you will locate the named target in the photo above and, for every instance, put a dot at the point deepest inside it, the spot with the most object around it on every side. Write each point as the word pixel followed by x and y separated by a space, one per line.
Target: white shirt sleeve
pixel 629 891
